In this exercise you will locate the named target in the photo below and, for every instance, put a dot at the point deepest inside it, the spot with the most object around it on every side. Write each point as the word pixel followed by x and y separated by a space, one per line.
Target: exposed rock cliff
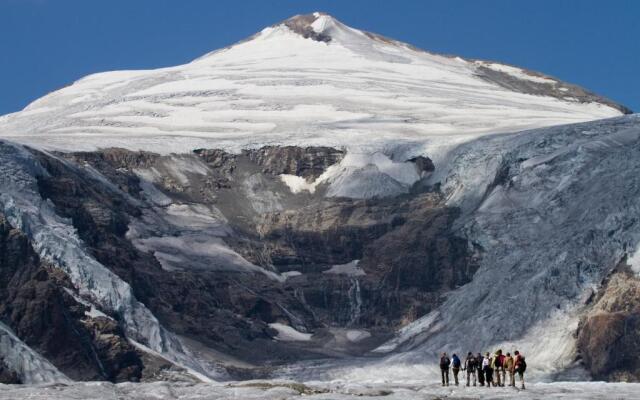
pixel 138 214
pixel 609 335
pixel 39 304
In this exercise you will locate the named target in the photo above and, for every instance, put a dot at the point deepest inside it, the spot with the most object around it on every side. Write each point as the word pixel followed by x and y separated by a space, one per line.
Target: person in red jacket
pixel 500 370
pixel 520 365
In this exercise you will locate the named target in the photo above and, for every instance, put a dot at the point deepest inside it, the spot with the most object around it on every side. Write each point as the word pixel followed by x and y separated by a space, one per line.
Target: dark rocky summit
pixel 301 24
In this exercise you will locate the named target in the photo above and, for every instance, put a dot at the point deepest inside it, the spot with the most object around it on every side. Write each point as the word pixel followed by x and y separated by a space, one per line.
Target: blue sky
pixel 47 44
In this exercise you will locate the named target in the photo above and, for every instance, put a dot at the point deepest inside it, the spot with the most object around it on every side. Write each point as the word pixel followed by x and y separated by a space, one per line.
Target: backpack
pixel 444 362
pixel 456 362
pixel 498 361
pixel 521 364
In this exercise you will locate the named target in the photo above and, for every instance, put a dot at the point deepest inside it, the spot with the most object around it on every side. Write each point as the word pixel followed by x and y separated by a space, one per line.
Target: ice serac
pixel 309 81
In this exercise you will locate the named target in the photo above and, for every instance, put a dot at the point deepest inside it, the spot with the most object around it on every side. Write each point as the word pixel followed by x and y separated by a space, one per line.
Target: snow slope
pixel 310 80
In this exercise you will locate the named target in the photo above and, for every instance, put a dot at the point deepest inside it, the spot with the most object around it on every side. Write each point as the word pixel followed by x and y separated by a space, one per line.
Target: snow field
pixel 338 390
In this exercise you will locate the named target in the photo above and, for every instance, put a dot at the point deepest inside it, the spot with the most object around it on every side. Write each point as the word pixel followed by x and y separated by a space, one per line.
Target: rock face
pixel 609 335
pixel 38 303
pixel 194 303
pixel 543 85
pixel 307 162
pixel 301 24
pixel 345 263
pixel 404 248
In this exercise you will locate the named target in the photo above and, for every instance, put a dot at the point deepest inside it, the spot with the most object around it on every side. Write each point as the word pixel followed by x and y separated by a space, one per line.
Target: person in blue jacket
pixel 455 362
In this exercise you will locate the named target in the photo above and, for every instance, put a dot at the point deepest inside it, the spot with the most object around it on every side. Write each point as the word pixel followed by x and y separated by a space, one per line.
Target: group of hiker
pixel 488 369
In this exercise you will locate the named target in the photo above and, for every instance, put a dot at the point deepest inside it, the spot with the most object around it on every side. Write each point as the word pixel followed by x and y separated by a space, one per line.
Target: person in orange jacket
pixel 509 365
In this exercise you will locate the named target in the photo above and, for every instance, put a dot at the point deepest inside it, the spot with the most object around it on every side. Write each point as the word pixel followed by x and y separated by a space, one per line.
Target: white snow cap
pixel 309 80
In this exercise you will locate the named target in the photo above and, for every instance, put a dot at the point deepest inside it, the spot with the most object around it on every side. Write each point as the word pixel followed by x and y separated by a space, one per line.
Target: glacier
pixel 554 210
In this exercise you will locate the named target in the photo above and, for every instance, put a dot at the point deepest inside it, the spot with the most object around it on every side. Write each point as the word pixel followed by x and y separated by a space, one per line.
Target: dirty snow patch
pixel 356 335
pixel 288 334
pixel 634 262
pixel 350 269
pixel 297 184
pixel 291 274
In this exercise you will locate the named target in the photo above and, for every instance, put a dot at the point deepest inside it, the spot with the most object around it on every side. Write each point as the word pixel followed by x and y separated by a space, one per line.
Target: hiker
pixel 486 368
pixel 520 365
pixel 479 364
pixel 470 365
pixel 497 368
pixel 503 371
pixel 508 365
pixel 444 368
pixel 456 367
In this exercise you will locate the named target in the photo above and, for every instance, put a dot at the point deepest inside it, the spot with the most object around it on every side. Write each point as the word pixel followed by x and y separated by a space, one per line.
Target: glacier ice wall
pixel 554 210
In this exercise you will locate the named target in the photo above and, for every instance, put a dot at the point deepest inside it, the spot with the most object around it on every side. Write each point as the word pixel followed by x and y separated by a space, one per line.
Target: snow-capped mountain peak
pixel 317 26
pixel 323 27
pixel 308 80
